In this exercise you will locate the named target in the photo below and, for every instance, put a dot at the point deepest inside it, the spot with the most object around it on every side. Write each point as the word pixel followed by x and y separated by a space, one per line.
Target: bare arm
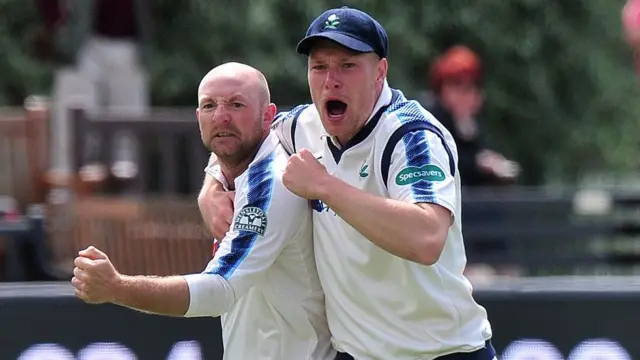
pixel 193 295
pixel 207 193
pixel 215 204
pixel 97 281
pixel 157 295
pixel 416 232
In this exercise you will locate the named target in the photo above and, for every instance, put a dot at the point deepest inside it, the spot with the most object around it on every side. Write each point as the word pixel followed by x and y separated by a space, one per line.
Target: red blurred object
pixel 11 216
pixel 9 209
pixel 631 22
pixel 631 27
pixel 459 63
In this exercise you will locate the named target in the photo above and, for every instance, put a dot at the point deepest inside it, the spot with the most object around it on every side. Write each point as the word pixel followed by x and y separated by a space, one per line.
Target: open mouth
pixel 335 108
pixel 223 135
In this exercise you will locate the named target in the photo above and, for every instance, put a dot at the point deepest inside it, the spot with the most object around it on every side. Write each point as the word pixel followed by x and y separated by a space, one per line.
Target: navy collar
pixel 363 133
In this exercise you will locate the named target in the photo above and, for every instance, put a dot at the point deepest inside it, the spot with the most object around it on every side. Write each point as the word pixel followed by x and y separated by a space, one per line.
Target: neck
pixel 232 168
pixel 232 171
pixel 342 140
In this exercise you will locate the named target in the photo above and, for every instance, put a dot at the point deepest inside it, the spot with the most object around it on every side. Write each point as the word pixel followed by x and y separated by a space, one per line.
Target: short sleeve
pixel 422 168
pixel 265 219
pixel 285 126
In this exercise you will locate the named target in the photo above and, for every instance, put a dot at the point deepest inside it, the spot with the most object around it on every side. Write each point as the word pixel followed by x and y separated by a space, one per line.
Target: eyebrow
pixel 341 58
pixel 234 97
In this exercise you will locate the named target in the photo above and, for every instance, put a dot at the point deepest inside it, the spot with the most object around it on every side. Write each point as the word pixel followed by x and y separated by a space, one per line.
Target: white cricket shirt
pixel 263 279
pixel 380 306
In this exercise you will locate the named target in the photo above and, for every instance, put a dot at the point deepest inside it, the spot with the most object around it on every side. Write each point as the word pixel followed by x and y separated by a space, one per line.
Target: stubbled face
pixel 232 116
pixel 344 86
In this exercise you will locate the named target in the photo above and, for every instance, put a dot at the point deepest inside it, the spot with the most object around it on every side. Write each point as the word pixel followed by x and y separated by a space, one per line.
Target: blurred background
pixel 99 145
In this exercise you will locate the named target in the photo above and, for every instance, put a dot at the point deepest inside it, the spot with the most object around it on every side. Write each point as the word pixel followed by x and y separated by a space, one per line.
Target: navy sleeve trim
pixel 294 124
pixel 400 133
pixel 261 181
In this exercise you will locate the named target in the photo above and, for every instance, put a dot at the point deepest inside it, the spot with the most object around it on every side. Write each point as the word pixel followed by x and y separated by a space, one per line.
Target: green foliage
pixel 20 72
pixel 562 97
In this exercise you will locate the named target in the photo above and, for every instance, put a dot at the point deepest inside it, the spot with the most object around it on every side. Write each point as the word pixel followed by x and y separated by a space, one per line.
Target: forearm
pixel 209 182
pixel 157 295
pixel 209 187
pixel 404 229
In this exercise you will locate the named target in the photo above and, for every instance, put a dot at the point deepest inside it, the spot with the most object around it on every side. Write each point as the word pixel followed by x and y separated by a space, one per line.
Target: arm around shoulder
pixel 215 204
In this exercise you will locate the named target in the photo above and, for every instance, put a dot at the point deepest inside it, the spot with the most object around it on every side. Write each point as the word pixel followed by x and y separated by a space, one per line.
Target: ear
pixel 269 115
pixel 198 113
pixel 383 66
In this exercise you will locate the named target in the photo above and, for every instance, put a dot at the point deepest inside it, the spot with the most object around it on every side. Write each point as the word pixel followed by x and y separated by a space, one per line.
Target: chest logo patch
pixel 363 171
pixel 412 174
pixel 251 219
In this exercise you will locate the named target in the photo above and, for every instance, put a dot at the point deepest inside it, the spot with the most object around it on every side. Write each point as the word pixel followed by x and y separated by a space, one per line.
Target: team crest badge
pixel 251 219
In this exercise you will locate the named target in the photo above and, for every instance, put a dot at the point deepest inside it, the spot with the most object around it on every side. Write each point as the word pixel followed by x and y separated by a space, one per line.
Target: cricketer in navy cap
pixel 357 134
pixel 351 28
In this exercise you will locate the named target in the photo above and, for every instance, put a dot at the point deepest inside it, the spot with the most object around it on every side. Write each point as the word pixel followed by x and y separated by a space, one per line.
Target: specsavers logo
pixel 411 174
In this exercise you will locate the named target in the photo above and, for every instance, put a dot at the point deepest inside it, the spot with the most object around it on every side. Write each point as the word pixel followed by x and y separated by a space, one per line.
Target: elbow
pixel 429 248
pixel 433 233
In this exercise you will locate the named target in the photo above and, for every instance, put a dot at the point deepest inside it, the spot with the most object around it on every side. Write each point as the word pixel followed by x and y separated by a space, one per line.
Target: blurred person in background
pixel 102 49
pixel 455 79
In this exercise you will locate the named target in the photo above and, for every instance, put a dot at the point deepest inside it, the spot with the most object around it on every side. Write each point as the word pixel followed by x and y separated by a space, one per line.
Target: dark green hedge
pixel 562 95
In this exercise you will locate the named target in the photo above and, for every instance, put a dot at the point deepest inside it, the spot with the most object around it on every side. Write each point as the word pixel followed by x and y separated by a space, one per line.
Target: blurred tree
pixel 562 98
pixel 21 73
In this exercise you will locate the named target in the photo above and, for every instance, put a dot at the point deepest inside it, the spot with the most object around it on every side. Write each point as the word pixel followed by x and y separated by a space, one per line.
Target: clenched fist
pixel 94 277
pixel 304 175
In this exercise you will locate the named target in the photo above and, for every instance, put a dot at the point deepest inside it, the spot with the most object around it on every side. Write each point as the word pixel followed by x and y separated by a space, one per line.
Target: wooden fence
pixel 23 154
pixel 150 236
pixel 169 149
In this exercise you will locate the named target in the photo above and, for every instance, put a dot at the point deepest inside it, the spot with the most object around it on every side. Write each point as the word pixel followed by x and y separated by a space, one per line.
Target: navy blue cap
pixel 351 28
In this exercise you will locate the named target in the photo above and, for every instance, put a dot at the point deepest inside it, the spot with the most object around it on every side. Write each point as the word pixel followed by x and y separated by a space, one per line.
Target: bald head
pixel 234 113
pixel 242 73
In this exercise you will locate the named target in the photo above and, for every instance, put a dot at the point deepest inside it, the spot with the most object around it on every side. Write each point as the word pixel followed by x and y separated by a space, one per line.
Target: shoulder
pixel 404 111
pixel 255 186
pixel 299 127
pixel 303 118
pixel 289 116
pixel 410 130
pixel 405 116
pixel 261 185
